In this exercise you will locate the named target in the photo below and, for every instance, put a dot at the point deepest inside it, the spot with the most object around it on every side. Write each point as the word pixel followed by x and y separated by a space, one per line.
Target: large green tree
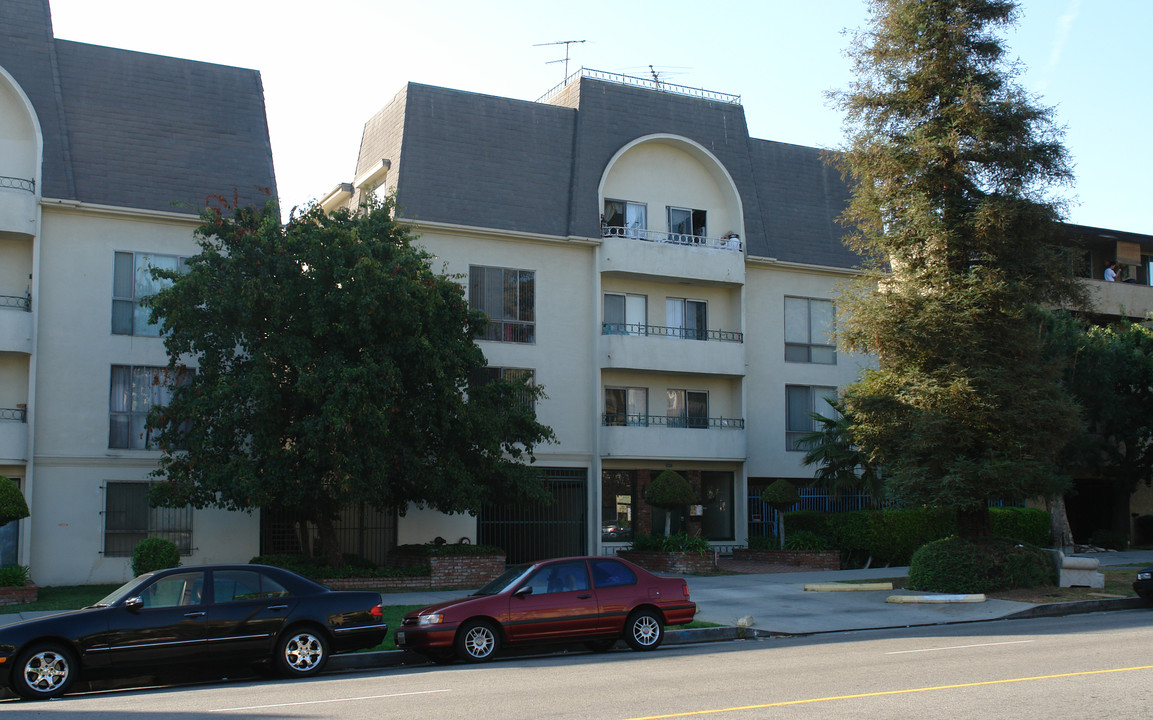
pixel 332 366
pixel 952 167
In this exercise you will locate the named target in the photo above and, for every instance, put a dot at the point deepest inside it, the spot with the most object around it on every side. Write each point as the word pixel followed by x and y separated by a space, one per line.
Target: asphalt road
pixel 1085 666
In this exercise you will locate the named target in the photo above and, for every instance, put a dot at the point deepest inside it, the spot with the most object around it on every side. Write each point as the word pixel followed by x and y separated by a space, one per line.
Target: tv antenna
pixel 566 44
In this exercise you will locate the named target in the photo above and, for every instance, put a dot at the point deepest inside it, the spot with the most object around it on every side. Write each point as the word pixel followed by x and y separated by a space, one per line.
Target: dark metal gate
pixel 534 531
pixel 361 529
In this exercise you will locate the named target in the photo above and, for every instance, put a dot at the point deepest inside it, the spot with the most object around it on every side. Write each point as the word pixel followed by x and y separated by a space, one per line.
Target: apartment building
pixel 106 157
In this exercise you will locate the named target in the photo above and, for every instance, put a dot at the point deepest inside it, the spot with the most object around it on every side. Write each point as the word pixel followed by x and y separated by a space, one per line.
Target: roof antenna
pixel 656 77
pixel 566 44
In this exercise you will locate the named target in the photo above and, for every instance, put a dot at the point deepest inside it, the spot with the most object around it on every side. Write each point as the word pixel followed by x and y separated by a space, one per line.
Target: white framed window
pixel 626 406
pixel 508 297
pixel 625 314
pixel 686 225
pixel 809 331
pixel 686 319
pixel 687 408
pixel 128 519
pixel 134 389
pixel 132 282
pixel 624 219
pixel 801 401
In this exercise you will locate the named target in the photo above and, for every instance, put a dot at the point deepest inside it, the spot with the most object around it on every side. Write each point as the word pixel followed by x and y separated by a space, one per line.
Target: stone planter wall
pixel 670 562
pixel 18 595
pixel 829 560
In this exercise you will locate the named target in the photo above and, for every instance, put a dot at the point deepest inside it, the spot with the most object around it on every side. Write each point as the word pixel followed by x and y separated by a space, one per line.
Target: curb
pixel 977 598
pixel 1079 607
pixel 848 587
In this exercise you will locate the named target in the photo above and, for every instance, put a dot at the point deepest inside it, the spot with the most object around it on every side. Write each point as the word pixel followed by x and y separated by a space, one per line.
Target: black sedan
pixel 1144 583
pixel 208 615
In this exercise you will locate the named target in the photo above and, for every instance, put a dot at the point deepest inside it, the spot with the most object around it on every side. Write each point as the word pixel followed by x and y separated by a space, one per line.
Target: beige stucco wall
pixel 422 525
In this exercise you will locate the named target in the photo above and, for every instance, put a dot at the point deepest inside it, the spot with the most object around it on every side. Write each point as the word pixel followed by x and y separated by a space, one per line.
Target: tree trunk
pixel 327 543
pixel 974 523
pixel 781 528
pixel 1060 534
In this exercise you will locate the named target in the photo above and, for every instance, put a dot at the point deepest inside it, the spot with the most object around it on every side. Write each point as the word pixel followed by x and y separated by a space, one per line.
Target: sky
pixel 328 67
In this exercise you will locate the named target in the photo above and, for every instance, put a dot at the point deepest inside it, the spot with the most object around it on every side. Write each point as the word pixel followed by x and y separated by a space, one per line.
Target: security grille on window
pixel 809 331
pixel 134 390
pixel 131 282
pixel 801 401
pixel 508 298
pixel 128 519
pixel 485 375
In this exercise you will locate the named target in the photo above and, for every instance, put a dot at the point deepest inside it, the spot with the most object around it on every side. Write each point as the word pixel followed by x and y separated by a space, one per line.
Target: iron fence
pixel 361 530
pixel 21 302
pixel 732 243
pixel 17 183
pixel 14 414
pixel 534 531
pixel 679 421
pixel 650 83
pixel 645 329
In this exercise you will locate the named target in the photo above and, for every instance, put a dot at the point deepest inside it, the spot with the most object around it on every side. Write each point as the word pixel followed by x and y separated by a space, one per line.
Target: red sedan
pixel 597 600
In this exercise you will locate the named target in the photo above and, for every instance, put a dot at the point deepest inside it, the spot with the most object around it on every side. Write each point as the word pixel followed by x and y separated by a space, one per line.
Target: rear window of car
pixel 610 573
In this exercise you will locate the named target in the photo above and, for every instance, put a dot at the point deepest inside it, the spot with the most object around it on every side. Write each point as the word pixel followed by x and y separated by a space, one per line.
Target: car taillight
pixel 685 589
pixel 376 611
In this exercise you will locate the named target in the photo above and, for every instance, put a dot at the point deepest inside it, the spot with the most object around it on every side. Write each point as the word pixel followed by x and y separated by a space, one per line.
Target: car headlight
pixel 1144 576
pixel 434 619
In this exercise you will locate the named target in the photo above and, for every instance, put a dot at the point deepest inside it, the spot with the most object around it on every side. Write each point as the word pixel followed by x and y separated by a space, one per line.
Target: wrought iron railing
pixel 732 243
pixel 679 421
pixel 17 183
pixel 673 332
pixel 650 83
pixel 20 302
pixel 14 414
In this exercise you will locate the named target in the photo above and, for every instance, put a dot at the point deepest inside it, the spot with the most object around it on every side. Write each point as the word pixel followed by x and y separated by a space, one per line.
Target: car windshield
pixel 119 593
pixel 507 578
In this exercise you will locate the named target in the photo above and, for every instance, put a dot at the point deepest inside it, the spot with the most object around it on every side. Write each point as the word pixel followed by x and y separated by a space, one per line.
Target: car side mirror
pixel 134 603
pixel 522 591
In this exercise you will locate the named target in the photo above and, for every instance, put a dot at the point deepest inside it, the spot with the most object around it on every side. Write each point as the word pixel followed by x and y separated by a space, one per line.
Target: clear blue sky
pixel 328 66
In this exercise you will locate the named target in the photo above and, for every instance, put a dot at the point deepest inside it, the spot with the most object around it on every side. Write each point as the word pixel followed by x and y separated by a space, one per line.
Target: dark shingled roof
pixel 135 130
pixel 469 159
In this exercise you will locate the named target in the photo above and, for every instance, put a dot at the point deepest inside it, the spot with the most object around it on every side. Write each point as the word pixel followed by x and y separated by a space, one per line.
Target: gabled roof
pixel 479 160
pixel 136 130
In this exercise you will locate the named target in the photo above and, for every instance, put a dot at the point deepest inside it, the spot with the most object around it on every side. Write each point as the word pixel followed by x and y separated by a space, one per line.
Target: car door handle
pixel 583 597
pixel 198 613
pixel 277 607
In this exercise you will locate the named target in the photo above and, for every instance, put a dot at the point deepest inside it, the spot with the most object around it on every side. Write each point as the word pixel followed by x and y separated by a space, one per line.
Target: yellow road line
pixel 889 692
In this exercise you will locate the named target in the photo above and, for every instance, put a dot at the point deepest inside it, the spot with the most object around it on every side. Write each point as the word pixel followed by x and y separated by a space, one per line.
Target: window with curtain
pixel 623 218
pixel 688 408
pixel 135 389
pixel 508 298
pixel 801 401
pixel 809 331
pixel 128 519
pixel 626 406
pixel 687 319
pixel 132 282
pixel 625 314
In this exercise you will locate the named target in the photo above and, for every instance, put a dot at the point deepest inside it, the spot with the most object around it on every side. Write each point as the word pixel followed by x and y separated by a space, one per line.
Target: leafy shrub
pixel 763 542
pixel 13 575
pixel 153 554
pixel 806 541
pixel 781 494
pixel 679 542
pixel 812 521
pixel 12 504
pixel 898 532
pixel 1109 540
pixel 956 565
pixel 1027 525
pixel 455 549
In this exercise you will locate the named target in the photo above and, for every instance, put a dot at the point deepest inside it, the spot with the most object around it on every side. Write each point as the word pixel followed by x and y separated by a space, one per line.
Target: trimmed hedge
pixel 956 565
pixel 677 542
pixel 891 536
pixel 154 553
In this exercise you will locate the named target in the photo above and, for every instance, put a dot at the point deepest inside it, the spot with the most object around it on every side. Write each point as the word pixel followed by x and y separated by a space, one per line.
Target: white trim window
pixel 687 319
pixel 625 314
pixel 686 225
pixel 128 519
pixel 809 331
pixel 624 219
pixel 508 297
pixel 132 282
pixel 626 406
pixel 801 401
pixel 134 389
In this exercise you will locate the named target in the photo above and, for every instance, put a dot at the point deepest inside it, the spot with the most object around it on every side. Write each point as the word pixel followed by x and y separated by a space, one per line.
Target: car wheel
pixel 43 671
pixel 302 652
pixel 644 630
pixel 477 641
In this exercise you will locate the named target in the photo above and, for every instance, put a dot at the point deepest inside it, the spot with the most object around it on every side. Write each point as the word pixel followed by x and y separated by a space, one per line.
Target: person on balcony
pixel 1111 271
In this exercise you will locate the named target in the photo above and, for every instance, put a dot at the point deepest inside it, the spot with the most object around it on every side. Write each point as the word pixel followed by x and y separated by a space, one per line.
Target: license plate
pixel 400 638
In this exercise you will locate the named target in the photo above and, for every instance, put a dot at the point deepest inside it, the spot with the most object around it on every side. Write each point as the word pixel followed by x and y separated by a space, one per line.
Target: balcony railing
pixel 673 332
pixel 726 243
pixel 19 302
pixel 17 183
pixel 696 423
pixel 649 83
pixel 14 414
